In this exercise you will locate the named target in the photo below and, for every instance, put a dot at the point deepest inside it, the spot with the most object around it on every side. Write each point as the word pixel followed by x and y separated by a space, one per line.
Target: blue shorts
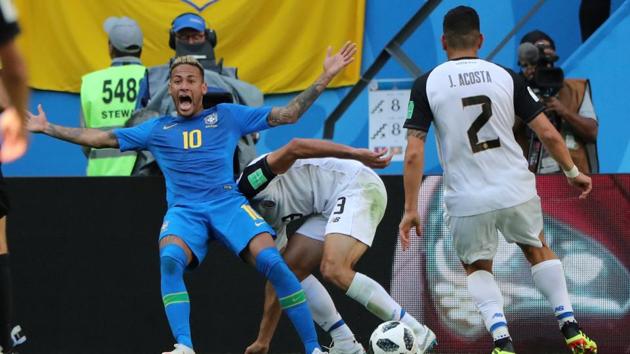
pixel 228 218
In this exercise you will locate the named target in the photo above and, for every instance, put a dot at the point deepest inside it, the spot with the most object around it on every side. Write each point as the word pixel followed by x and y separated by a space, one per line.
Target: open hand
pixel 373 159
pixel 37 123
pixel 408 221
pixel 13 135
pixel 333 64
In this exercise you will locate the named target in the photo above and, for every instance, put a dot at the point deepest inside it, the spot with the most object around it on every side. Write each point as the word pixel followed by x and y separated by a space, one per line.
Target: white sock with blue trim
pixel 325 313
pixel 549 279
pixel 489 301
pixel 375 298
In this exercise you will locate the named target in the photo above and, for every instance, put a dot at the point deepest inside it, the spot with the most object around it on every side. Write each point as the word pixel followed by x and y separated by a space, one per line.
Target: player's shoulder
pixel 163 121
pixel 421 81
pixel 227 107
pixel 419 87
pixel 505 70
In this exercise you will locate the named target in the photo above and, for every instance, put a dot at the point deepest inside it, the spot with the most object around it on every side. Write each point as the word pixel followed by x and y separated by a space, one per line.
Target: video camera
pixel 546 82
pixel 548 79
pixel 204 53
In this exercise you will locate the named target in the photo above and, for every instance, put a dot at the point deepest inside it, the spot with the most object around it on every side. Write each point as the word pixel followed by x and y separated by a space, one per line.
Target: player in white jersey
pixel 488 187
pixel 343 202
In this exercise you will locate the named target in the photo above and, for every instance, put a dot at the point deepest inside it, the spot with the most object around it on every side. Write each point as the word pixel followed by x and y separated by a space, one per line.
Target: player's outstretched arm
pixel 412 177
pixel 332 66
pixel 282 159
pixel 83 136
pixel 13 123
pixel 14 77
pixel 268 323
pixel 553 142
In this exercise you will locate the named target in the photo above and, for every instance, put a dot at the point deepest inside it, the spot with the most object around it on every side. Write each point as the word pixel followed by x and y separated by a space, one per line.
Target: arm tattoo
pixel 420 134
pixel 65 133
pixel 298 105
pixel 83 136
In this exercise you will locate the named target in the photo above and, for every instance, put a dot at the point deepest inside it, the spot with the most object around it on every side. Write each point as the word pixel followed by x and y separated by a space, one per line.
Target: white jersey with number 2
pixel 473 104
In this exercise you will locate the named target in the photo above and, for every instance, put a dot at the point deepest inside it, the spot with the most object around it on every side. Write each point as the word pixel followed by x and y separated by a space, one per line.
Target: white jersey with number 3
pixel 473 104
pixel 336 196
pixel 309 187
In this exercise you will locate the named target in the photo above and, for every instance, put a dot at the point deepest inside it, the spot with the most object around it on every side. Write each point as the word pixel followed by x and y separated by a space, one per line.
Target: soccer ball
pixel 393 337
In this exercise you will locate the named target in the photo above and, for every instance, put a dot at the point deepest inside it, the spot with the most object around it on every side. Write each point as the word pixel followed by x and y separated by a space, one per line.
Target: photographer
pixel 190 35
pixel 569 107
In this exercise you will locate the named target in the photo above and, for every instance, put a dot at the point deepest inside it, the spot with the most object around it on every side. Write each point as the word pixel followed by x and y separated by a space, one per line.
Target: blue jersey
pixel 195 154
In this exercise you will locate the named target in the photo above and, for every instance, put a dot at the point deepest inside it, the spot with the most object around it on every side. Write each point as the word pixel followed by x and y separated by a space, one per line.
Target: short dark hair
pixel 186 60
pixel 461 27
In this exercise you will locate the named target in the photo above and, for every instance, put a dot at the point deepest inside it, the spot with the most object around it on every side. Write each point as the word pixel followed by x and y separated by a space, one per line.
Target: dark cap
pixel 537 35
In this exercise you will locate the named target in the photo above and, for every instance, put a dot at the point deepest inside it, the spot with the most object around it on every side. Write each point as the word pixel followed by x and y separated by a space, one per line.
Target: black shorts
pixel 4 198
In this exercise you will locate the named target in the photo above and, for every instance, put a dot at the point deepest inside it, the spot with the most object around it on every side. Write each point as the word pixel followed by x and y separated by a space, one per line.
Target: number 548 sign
pixel 388 111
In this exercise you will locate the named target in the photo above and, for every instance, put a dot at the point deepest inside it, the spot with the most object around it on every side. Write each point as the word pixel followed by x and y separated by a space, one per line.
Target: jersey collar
pixel 203 113
pixel 462 58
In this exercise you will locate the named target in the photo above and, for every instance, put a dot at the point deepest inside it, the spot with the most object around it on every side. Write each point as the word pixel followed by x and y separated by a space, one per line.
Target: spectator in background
pixel 190 35
pixel 14 142
pixel 108 96
pixel 569 107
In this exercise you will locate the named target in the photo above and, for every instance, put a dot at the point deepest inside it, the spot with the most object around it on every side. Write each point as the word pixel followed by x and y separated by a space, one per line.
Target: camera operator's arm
pixel 553 142
pixel 584 127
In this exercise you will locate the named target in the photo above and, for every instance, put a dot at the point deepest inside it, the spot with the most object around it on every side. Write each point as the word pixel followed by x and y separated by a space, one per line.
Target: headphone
pixel 211 35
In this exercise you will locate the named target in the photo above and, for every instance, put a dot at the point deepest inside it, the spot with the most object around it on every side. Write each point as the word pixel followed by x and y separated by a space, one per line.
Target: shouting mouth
pixel 185 102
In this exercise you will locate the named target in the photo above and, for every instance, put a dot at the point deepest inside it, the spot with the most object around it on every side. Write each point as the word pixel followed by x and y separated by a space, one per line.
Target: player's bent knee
pixel 267 259
pixel 536 255
pixel 481 264
pixel 332 271
pixel 298 269
pixel 173 259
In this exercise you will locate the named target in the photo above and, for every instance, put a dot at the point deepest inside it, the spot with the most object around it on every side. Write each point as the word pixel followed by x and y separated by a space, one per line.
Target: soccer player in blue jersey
pixel 194 151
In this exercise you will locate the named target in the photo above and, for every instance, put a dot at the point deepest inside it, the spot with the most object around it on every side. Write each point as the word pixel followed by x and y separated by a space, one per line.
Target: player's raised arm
pixel 298 105
pixel 554 143
pixel 282 159
pixel 412 178
pixel 83 136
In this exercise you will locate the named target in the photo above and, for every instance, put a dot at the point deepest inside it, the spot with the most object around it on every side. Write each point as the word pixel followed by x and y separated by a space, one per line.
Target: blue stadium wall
pixel 600 59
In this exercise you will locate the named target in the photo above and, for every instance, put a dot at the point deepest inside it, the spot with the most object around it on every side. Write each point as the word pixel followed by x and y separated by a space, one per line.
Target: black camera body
pixel 546 82
pixel 548 79
pixel 204 53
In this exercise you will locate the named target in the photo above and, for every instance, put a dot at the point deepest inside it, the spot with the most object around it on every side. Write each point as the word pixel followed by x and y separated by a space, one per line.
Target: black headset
pixel 211 35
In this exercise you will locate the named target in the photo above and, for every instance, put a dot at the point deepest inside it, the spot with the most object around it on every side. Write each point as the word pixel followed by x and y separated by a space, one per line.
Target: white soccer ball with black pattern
pixel 393 337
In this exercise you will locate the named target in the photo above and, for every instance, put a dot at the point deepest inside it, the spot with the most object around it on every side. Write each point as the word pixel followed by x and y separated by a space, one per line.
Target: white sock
pixel 373 296
pixel 489 301
pixel 549 279
pixel 325 314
